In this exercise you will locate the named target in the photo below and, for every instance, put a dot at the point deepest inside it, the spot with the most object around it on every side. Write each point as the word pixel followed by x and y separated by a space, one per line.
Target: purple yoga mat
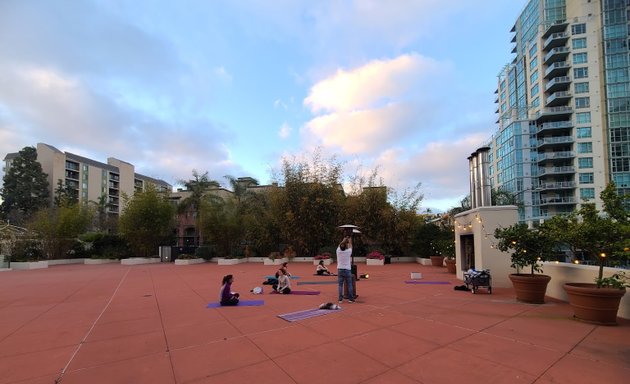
pixel 425 282
pixel 298 293
pixel 242 303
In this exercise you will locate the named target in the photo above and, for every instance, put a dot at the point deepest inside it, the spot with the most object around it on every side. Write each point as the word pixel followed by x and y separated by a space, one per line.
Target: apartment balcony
pixel 555 40
pixel 556 54
pixel 560 83
pixel 557 200
pixel 72 166
pixel 556 185
pixel 74 175
pixel 558 98
pixel 555 27
pixel 553 141
pixel 554 125
pixel 113 192
pixel 559 68
pixel 115 177
pixel 555 171
pixel 554 113
pixel 551 156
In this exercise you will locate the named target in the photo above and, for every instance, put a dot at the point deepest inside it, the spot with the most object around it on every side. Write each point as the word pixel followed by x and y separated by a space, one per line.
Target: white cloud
pixel 223 74
pixel 285 131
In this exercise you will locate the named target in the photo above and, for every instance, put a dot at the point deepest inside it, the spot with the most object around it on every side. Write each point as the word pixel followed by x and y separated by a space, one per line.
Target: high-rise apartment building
pixel 564 106
pixel 89 179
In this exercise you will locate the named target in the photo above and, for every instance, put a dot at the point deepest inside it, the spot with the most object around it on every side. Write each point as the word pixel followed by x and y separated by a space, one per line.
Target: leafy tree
pixel 147 221
pixel 64 194
pixel 25 187
pixel 198 186
pixel 58 227
pixel 103 220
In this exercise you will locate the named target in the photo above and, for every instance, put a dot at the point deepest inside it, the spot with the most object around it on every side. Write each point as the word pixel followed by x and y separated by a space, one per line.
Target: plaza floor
pixel 90 324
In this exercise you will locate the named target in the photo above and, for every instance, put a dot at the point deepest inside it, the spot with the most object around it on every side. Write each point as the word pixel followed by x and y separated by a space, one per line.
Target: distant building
pixel 563 106
pixel 90 179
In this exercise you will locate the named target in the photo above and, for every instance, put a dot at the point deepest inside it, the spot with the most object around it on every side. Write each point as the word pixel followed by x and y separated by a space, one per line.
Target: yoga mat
pixel 297 293
pixel 301 315
pixel 332 274
pixel 242 303
pixel 425 282
pixel 316 282
pixel 274 276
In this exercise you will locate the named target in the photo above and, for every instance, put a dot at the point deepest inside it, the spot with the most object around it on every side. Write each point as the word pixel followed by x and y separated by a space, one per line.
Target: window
pixel 535 90
pixel 581 87
pixel 533 63
pixel 583 117
pixel 587 193
pixel 579 43
pixel 585 147
pixel 580 73
pixel 578 29
pixel 532 50
pixel 582 102
pixel 585 162
pixel 586 178
pixel 583 132
pixel 533 77
pixel 536 102
pixel 580 58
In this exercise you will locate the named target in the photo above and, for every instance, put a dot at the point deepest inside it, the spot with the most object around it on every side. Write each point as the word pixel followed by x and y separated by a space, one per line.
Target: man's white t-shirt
pixel 344 258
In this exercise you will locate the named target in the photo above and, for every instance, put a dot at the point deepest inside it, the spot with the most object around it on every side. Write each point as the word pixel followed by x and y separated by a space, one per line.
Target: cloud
pixel 285 131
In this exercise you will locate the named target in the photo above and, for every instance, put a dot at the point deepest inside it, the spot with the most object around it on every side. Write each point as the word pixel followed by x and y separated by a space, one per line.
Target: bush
pixel 205 252
pixel 106 246
pixel 323 256
pixel 375 255
pixel 27 250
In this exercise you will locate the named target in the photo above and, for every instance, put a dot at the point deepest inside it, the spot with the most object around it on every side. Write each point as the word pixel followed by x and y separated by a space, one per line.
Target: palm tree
pixel 197 186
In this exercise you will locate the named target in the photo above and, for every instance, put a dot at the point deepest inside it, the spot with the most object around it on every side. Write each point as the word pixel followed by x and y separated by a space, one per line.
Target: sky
pixel 232 87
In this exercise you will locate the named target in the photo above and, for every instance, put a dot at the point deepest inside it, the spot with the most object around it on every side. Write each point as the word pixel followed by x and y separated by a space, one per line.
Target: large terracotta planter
pixel 437 261
pixel 451 265
pixel 594 305
pixel 530 288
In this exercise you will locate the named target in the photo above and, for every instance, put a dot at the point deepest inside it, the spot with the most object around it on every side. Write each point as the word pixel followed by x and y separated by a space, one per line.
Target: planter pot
pixel 223 261
pixel 269 261
pixel 530 288
pixel 437 261
pixel 423 260
pixel 451 265
pixel 29 264
pixel 326 262
pixel 374 262
pixel 100 261
pixel 140 260
pixel 594 305
pixel 189 261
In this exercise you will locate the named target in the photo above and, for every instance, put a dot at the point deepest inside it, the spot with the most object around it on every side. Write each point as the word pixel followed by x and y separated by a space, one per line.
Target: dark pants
pixel 231 301
pixel 286 290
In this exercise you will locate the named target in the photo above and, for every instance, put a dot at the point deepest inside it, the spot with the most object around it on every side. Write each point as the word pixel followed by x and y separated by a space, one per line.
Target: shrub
pixel 375 255
pixel 27 250
pixel 323 256
pixel 205 252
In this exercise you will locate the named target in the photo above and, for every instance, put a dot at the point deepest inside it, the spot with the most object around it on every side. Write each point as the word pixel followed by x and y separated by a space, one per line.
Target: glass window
pixel 535 90
pixel 585 147
pixel 578 29
pixel 580 73
pixel 587 193
pixel 582 102
pixel 583 132
pixel 533 63
pixel 583 117
pixel 580 58
pixel 586 178
pixel 536 102
pixel 579 43
pixel 533 77
pixel 532 50
pixel 585 162
pixel 581 87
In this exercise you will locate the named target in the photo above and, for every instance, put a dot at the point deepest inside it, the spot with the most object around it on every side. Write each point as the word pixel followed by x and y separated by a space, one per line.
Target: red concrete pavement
pixel 149 324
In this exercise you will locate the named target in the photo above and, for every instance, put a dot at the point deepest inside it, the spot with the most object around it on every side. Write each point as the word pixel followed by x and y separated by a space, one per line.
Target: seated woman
pixel 226 295
pixel 322 270
pixel 284 283
pixel 283 268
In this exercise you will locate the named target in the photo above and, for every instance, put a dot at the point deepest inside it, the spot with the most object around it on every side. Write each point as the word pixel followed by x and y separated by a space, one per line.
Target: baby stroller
pixel 478 279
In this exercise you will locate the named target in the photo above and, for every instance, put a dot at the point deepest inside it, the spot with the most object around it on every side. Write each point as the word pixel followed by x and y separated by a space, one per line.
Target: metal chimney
pixel 485 189
pixel 473 179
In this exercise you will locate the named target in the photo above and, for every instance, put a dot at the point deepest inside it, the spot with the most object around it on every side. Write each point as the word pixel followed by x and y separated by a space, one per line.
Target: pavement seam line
pixel 76 351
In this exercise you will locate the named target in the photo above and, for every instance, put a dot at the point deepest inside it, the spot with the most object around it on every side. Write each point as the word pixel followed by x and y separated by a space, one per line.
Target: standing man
pixel 344 268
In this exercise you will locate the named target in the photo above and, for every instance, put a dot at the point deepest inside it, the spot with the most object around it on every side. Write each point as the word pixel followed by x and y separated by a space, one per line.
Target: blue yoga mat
pixel 242 303
pixel 316 282
pixel 425 282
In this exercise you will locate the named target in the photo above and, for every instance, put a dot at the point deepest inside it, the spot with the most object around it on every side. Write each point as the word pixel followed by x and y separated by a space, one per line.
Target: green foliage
pixel 433 239
pixel 58 227
pixel 205 252
pixel 618 280
pixel 147 222
pixel 102 245
pixel 25 187
pixel 65 195
pixel 27 250
pixel 529 246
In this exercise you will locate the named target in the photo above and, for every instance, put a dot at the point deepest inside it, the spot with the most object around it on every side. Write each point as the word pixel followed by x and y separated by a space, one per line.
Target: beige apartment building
pixel 563 106
pixel 90 179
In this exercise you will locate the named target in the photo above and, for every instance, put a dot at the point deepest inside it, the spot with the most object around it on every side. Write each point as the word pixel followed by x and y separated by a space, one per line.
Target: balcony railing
pixel 557 83
pixel 555 27
pixel 559 53
pixel 555 140
pixel 555 170
pixel 557 98
pixel 555 125
pixel 555 69
pixel 556 155
pixel 554 111
pixel 555 40
pixel 557 185
pixel 556 200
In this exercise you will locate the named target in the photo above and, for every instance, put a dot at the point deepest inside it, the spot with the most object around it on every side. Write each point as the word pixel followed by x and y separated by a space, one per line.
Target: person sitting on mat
pixel 226 295
pixel 322 270
pixel 284 282
pixel 283 268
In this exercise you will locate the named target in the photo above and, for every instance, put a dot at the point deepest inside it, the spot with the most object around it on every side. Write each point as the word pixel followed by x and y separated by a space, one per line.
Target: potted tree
pixel 528 247
pixel 604 237
pixel 447 249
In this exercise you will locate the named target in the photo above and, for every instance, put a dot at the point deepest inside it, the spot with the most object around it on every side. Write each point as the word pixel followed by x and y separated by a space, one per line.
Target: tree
pixel 25 187
pixel 64 194
pixel 197 186
pixel 147 221
pixel 58 227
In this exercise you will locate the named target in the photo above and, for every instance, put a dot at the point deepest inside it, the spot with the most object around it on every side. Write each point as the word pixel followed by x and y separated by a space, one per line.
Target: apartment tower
pixel 563 106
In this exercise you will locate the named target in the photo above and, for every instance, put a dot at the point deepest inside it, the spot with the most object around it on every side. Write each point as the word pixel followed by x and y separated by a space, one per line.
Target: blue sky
pixel 232 87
